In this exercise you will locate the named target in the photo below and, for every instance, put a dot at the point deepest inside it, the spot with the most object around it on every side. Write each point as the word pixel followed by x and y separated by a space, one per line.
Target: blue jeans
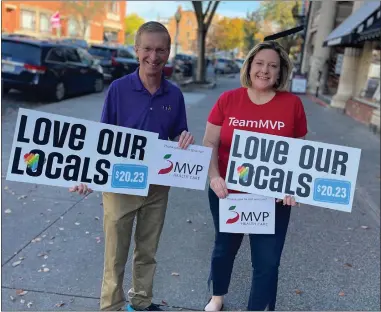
pixel 266 251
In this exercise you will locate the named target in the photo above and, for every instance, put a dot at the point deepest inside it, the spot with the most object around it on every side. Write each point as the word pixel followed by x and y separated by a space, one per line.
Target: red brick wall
pixel 11 17
pixel 359 111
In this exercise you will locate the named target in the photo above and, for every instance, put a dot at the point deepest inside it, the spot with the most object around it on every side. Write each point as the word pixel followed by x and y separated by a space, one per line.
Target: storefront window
pixel 371 90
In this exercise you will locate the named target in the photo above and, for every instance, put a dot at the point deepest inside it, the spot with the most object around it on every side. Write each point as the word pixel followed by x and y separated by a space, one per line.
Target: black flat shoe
pixel 222 307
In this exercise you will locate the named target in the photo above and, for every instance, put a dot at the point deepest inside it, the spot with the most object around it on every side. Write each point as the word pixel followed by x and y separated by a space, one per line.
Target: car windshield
pixel 131 50
pixel 21 51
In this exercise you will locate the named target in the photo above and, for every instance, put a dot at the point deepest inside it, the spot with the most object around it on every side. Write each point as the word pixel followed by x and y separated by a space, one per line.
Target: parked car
pixel 116 61
pixel 186 62
pixel 54 70
pixel 80 43
pixel 239 62
pixel 20 36
pixel 168 70
pixel 225 66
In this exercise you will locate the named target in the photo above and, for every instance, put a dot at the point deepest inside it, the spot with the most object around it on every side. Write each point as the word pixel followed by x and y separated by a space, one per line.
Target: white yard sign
pixel 63 151
pixel 316 173
pixel 247 214
pixel 181 168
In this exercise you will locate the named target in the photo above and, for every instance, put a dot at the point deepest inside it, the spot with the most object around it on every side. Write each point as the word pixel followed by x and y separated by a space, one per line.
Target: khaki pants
pixel 119 214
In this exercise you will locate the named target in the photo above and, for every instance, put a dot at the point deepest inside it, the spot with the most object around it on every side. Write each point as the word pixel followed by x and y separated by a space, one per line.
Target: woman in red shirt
pixel 262 98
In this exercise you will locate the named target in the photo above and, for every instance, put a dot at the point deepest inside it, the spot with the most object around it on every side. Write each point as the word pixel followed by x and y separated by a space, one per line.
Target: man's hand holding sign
pixel 57 150
pixel 141 114
pixel 184 140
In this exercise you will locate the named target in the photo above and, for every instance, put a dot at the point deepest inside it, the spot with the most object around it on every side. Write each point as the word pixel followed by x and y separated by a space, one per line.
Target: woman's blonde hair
pixel 285 64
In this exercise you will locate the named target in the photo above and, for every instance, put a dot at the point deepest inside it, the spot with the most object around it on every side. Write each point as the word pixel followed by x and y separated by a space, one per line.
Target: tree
pixel 251 31
pixel 83 11
pixel 228 33
pixel 281 15
pixel 132 22
pixel 204 20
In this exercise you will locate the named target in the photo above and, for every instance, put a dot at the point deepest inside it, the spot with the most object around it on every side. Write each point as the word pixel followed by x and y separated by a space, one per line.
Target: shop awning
pixel 350 29
pixel 371 34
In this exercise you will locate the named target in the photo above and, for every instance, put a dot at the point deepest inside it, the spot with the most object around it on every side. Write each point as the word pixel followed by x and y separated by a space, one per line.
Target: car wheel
pixel 59 92
pixel 98 85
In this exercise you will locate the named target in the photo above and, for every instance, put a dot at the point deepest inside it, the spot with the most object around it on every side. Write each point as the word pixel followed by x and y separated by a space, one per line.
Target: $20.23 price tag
pixel 332 191
pixel 129 176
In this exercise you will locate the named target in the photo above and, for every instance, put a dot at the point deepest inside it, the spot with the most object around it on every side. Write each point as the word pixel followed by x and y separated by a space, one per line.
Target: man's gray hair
pixel 152 27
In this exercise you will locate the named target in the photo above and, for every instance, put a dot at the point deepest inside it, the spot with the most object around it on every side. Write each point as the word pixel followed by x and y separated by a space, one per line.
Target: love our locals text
pixel 57 150
pixel 270 170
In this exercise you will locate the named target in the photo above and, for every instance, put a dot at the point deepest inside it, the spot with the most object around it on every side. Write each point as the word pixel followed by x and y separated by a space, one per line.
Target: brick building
pixel 33 18
pixel 187 35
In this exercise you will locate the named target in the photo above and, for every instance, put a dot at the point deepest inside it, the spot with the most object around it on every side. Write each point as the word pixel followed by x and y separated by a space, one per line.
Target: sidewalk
pixel 332 126
pixel 330 261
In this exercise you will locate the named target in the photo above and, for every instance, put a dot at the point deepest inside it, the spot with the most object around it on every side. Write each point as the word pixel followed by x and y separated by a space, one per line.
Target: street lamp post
pixel 177 19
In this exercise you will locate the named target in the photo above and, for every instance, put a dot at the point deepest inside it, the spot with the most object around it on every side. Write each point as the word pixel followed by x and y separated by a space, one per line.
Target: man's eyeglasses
pixel 158 51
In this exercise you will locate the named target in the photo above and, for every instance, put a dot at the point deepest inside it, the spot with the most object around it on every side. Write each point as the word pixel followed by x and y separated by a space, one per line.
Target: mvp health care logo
pixel 169 168
pixel 181 170
pixel 235 218
pixel 248 217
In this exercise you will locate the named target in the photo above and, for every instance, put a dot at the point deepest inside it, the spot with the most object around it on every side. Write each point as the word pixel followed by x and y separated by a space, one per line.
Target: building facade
pixel 33 18
pixel 187 31
pixel 342 57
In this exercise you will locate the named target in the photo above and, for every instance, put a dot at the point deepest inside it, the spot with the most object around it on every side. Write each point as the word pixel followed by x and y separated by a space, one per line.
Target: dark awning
pixel 371 34
pixel 353 26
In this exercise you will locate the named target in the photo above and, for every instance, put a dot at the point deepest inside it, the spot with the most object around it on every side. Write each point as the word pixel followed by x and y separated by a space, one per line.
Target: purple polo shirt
pixel 129 104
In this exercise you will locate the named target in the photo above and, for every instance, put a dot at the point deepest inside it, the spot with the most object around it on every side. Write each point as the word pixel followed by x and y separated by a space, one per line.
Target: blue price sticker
pixel 332 191
pixel 129 176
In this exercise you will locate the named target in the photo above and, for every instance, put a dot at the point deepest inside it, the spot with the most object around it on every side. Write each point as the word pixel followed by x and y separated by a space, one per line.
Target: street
pixel 52 240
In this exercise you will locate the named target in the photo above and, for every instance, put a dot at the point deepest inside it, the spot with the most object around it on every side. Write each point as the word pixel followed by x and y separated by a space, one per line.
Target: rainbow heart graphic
pixel 243 172
pixel 31 160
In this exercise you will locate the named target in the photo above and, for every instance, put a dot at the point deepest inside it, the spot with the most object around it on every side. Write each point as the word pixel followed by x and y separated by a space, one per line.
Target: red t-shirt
pixel 283 115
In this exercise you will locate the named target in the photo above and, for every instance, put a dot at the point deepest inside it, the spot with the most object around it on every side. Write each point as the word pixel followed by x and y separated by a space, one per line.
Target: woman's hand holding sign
pixel 288 200
pixel 218 185
pixel 82 189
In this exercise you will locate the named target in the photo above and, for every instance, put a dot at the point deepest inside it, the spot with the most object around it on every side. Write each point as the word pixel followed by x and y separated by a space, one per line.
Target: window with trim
pixel 44 23
pixel 28 19
pixel 113 7
pixel 72 27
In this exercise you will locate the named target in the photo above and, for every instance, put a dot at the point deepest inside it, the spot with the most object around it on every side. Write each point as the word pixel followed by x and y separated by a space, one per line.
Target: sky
pixel 150 10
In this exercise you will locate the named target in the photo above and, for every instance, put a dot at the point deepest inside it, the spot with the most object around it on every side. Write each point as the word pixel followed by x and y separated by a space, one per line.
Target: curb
pixel 209 85
pixel 317 100
pixel 186 82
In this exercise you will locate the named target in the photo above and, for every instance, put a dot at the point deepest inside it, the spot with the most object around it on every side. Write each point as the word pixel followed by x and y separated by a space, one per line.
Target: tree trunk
pixel 201 70
pixel 84 28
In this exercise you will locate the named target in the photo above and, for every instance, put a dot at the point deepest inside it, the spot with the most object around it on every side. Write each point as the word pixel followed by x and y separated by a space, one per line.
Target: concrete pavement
pixel 330 261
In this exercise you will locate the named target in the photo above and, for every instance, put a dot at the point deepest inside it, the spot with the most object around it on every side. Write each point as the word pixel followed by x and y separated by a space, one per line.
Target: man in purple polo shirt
pixel 142 100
